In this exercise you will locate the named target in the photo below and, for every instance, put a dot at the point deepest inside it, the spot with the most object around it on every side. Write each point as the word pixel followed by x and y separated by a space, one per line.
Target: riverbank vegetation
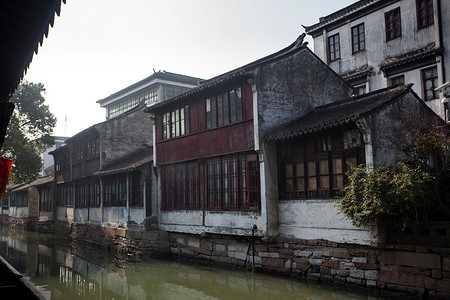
pixel 414 189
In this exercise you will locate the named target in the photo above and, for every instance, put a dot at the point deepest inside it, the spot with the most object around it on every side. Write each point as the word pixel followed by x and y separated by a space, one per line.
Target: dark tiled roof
pixel 128 163
pixel 416 55
pixel 338 113
pixel 339 14
pixel 236 74
pixel 37 182
pixel 358 73
pixel 23 25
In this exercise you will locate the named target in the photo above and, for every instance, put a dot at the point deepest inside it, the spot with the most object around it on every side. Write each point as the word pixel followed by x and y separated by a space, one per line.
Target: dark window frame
pixel 45 199
pixel 175 123
pixel 334 47
pixel 398 79
pixel 315 167
pixel 433 79
pixel 393 24
pixel 181 186
pixel 360 42
pixel 223 174
pixel 115 190
pixel 425 13
pixel 224 108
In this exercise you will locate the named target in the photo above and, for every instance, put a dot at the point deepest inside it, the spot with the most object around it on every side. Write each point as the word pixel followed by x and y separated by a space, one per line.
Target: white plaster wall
pixel 45 215
pixel 377 48
pixel 81 215
pixel 64 213
pixel 224 222
pixel 320 219
pixel 137 214
pixel 116 216
pixel 19 211
pixel 95 214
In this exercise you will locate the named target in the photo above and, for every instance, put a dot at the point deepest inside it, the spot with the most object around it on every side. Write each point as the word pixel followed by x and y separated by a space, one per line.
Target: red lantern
pixel 5 170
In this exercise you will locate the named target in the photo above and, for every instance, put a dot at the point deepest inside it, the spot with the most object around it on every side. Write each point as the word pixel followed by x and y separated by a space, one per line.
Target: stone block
pixel 288 264
pixel 180 240
pixel 315 261
pixel 109 231
pixel 193 242
pixel 221 259
pixel 422 260
pixel 371 283
pixel 286 252
pixel 359 260
pixel 240 255
pixel 343 273
pixel 121 232
pixel 260 248
pixel 187 253
pixel 346 266
pixel 206 245
pixel 269 254
pixel 273 262
pixel 437 285
pixel 355 281
pixel 331 264
pixel 367 266
pixel 357 273
pixel 341 254
pixel 446 264
pixel 173 250
pixel 220 247
pixel 258 260
pixel 319 254
pixel 371 275
pixel 436 274
pixel 236 246
pixel 401 278
pixel 325 270
pixel 302 253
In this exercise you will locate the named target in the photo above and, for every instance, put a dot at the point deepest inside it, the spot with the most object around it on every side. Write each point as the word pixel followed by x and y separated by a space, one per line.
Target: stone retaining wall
pixel 136 241
pixel 417 271
pixel 414 270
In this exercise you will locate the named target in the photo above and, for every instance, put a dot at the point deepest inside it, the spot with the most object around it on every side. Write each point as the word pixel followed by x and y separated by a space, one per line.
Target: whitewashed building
pixel 377 43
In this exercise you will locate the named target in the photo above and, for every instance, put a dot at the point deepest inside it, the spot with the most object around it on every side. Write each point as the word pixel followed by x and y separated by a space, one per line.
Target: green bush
pixel 414 189
pixel 395 193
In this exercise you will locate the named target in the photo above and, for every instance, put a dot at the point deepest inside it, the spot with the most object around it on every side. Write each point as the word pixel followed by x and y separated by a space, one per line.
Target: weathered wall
pixel 378 49
pixel 125 134
pixel 320 219
pixel 33 202
pixel 293 86
pixel 414 270
pixel 220 222
pixel 391 124
pixel 420 271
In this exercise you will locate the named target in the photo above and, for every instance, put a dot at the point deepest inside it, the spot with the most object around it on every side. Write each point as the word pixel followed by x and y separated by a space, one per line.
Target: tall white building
pixel 377 43
pixel 158 87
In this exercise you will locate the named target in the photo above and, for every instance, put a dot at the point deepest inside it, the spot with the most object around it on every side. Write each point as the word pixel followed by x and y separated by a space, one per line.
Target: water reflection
pixel 74 272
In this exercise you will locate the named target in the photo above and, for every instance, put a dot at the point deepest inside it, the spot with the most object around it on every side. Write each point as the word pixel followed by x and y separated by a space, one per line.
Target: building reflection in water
pixel 70 272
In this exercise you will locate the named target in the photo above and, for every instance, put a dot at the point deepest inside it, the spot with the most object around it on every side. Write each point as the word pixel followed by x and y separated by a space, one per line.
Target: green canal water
pixel 65 271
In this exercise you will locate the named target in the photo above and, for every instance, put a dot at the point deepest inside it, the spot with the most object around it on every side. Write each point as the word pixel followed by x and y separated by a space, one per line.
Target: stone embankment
pixel 422 272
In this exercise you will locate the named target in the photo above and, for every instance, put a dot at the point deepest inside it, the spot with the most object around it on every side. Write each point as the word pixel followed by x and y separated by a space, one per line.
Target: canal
pixel 63 270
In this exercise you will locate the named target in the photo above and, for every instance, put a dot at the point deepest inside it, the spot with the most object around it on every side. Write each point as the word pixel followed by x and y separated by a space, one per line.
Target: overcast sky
pixel 98 47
